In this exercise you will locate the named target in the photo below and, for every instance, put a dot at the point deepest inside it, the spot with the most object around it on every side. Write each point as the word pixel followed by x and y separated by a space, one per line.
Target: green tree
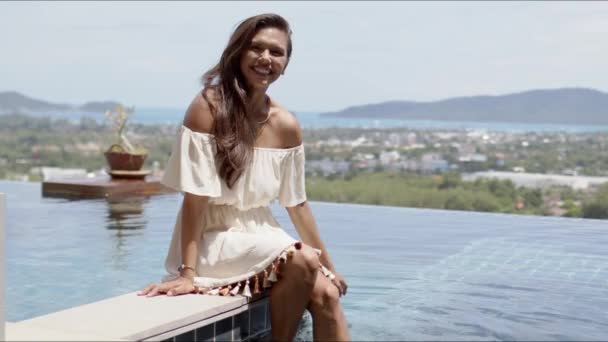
pixel 459 201
pixel 486 202
pixel 450 180
pixel 597 207
pixel 572 210
pixel 532 197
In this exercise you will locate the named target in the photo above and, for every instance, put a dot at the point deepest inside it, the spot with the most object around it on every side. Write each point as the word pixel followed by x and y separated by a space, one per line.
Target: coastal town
pixel 540 160
pixel 515 154
pixel 537 160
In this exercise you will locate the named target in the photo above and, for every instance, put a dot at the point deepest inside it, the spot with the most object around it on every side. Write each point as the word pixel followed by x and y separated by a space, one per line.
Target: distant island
pixel 98 106
pixel 552 106
pixel 11 101
pixel 578 106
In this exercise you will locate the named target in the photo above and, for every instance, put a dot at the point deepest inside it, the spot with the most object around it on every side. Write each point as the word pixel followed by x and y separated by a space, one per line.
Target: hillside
pixel 11 101
pixel 558 106
pixel 14 101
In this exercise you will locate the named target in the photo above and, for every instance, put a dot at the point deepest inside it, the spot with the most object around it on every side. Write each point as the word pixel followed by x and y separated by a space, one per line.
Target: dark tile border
pixel 251 325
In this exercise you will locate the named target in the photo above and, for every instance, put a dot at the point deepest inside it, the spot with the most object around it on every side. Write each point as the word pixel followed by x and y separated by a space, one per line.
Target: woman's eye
pixel 256 48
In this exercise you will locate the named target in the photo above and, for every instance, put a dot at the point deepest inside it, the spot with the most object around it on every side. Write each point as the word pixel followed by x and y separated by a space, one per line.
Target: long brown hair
pixel 235 131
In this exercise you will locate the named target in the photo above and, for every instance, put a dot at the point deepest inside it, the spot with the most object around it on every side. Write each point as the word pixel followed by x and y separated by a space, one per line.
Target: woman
pixel 237 151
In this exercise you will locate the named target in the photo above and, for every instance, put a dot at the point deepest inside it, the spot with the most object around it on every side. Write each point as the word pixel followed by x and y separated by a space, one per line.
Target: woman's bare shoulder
pixel 288 127
pixel 199 115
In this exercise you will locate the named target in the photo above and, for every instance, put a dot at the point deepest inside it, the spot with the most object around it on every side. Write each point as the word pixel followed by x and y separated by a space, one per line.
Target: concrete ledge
pixel 131 317
pixel 31 332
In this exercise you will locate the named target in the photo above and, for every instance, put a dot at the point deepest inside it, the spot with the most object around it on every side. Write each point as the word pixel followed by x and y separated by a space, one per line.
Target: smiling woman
pixel 235 89
pixel 266 57
pixel 236 152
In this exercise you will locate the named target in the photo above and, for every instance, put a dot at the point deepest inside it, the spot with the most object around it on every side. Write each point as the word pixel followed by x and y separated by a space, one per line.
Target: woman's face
pixel 265 59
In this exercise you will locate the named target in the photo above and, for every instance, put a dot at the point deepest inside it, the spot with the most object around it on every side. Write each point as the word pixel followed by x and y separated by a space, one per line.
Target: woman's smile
pixel 262 71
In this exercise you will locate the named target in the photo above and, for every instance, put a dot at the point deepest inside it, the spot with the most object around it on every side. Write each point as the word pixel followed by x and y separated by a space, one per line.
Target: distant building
pixel 433 162
pixel 411 138
pixel 362 141
pixel 409 164
pixel 333 142
pixel 519 169
pixel 389 157
pixel 475 158
pixel 538 180
pixel 23 161
pixel 363 156
pixel 88 148
pixel 327 167
pixel 367 164
pixel 466 149
pixel 45 148
pixel 49 173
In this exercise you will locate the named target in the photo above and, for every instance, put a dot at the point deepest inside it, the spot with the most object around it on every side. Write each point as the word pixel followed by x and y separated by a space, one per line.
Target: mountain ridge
pixel 562 106
pixel 574 105
pixel 15 101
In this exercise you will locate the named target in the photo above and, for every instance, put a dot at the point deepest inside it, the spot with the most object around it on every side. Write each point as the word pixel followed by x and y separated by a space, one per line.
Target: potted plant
pixel 122 155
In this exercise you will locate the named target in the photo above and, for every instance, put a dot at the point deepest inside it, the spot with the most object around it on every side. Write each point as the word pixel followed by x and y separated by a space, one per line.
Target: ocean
pixel 312 120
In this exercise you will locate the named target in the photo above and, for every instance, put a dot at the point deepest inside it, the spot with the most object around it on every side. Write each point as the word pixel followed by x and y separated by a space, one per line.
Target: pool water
pixel 413 274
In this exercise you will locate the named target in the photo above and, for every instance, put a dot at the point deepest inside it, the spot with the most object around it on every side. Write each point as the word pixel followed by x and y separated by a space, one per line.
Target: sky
pixel 345 53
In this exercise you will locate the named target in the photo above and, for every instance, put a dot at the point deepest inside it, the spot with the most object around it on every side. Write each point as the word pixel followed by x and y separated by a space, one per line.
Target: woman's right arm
pixel 193 210
pixel 198 118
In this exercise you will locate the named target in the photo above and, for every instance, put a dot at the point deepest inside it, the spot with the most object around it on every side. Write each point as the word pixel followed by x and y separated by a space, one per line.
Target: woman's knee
pixel 310 259
pixel 325 298
pixel 305 261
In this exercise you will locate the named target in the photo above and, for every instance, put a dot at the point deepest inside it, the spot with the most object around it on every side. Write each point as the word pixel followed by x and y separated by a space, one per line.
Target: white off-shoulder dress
pixel 242 242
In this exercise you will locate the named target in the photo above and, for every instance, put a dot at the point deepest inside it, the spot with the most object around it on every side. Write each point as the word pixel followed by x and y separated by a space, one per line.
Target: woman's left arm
pixel 303 220
pixel 300 214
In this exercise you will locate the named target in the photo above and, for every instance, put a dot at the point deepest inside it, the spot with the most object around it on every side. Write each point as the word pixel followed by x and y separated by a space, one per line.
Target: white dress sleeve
pixel 191 167
pixel 292 190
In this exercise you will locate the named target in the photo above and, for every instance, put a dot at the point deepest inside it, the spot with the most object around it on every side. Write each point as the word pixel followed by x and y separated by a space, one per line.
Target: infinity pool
pixel 414 274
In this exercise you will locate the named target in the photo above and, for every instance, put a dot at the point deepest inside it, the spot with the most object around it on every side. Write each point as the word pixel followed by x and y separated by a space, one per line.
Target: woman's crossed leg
pixel 302 287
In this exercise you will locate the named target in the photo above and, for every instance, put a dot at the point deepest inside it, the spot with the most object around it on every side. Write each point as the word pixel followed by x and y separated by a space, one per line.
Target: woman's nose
pixel 265 55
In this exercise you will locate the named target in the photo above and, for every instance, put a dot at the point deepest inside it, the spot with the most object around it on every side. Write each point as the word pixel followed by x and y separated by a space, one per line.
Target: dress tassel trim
pixel 273 275
pixel 283 257
pixel 246 291
pixel 327 272
pixel 225 290
pixel 256 285
pixel 266 283
pixel 248 288
pixel 214 292
pixel 236 289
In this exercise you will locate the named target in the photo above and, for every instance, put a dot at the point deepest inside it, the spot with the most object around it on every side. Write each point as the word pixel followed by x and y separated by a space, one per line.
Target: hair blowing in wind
pixel 234 129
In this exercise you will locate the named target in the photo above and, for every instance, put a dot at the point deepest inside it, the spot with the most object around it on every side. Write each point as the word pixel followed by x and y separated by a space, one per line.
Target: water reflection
pixel 126 213
pixel 125 218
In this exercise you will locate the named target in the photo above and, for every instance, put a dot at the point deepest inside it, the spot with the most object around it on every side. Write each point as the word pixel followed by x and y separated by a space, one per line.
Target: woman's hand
pixel 340 283
pixel 179 286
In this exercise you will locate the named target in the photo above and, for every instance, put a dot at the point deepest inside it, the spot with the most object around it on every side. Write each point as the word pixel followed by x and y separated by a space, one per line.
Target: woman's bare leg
pixel 289 296
pixel 329 322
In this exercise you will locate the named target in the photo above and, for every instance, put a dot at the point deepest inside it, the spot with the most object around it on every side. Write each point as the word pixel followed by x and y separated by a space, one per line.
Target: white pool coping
pixel 128 317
